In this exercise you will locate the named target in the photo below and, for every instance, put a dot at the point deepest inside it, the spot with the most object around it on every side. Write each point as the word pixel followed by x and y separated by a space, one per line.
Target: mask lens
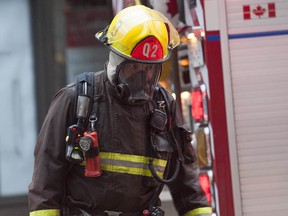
pixel 140 78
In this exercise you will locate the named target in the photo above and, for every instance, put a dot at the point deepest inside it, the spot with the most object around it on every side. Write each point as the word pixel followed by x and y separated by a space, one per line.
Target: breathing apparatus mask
pixel 146 38
pixel 135 81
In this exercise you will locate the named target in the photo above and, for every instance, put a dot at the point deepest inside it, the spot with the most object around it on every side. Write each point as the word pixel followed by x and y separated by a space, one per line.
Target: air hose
pixel 158 178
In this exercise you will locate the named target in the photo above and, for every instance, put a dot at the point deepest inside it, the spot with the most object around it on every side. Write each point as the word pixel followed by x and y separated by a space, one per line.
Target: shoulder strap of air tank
pixel 98 86
pixel 89 93
pixel 162 94
pixel 166 98
pixel 84 97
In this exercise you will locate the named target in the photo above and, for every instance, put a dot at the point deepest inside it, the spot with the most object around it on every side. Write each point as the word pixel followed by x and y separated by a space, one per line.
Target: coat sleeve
pixel 46 190
pixel 188 196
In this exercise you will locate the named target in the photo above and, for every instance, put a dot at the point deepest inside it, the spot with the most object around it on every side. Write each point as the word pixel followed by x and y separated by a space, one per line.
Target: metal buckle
pixel 161 105
pixel 113 213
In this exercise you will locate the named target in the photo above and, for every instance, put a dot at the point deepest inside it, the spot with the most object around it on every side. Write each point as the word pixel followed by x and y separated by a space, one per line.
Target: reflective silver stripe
pixel 130 164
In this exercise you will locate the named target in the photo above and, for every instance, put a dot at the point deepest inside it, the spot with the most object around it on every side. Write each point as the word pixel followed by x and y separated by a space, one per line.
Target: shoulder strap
pixel 84 97
pixel 89 94
pixel 161 95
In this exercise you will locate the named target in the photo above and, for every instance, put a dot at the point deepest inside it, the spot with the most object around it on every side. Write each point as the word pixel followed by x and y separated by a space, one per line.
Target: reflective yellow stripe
pixel 130 164
pixel 199 211
pixel 47 212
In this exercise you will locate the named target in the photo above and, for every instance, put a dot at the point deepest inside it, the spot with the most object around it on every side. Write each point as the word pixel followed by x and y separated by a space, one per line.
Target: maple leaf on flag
pixel 259 11
pixel 172 7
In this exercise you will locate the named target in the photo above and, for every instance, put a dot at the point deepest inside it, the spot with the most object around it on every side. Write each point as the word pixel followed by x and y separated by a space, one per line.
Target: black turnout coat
pixel 124 134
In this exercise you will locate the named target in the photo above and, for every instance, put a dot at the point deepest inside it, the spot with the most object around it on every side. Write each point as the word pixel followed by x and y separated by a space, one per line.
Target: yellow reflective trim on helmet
pixel 46 212
pixel 199 211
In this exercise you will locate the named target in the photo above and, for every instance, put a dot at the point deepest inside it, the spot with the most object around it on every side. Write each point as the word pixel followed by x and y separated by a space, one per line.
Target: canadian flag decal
pixel 259 11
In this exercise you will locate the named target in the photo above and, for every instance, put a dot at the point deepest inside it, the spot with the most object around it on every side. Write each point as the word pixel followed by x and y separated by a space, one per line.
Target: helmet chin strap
pixel 114 61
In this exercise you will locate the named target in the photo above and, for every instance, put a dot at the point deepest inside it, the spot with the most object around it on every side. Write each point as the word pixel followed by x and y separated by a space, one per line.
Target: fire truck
pixel 235 55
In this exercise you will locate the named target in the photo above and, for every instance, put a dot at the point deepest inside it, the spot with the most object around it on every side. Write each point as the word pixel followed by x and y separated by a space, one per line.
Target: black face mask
pixel 136 81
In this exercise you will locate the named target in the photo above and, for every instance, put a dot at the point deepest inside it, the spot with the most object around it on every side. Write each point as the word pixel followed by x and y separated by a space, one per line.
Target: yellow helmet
pixel 140 34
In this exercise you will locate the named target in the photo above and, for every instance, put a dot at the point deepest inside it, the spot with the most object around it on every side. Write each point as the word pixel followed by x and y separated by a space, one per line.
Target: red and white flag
pixel 169 8
pixel 259 11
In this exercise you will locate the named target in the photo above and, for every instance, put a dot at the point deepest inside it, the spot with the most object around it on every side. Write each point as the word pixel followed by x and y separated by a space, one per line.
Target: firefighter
pixel 141 144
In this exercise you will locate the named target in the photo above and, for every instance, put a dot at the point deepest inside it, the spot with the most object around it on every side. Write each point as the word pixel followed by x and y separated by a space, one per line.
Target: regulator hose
pixel 158 178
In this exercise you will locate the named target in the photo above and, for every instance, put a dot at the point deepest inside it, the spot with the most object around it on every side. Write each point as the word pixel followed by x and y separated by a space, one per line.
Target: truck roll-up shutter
pixel 257 47
pixel 260 88
pixel 260 96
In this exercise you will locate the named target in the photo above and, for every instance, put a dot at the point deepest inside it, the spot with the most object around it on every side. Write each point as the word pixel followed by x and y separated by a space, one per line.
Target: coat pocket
pixel 163 142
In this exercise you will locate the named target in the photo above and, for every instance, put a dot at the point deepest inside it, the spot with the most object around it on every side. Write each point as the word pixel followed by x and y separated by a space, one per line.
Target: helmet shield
pixel 137 80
